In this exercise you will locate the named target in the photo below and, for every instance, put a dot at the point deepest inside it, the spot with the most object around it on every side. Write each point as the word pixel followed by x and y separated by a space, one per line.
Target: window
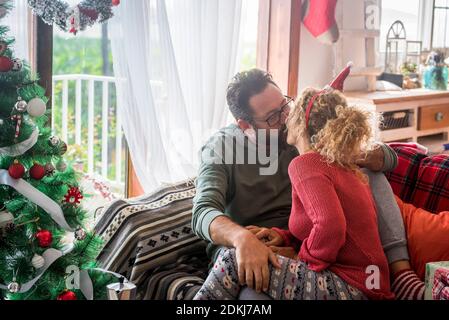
pixel 424 20
pixel 250 19
pixel 84 112
pixel 441 24
pixel 406 11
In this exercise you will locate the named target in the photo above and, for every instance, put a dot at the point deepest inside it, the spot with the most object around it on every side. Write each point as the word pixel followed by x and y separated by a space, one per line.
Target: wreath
pixel 73 18
pixel 5 6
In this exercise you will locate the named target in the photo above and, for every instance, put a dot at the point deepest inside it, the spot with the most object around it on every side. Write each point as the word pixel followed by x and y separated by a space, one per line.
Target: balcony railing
pixel 84 114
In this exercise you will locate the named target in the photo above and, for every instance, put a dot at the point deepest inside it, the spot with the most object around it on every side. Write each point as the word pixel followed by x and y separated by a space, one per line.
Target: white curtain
pixel 17 21
pixel 425 22
pixel 173 60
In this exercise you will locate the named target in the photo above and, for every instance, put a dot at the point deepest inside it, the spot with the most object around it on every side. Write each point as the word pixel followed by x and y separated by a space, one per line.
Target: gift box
pixel 440 289
pixel 431 272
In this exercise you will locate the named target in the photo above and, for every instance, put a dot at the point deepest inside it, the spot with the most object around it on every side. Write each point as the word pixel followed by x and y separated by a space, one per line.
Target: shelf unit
pixel 428 111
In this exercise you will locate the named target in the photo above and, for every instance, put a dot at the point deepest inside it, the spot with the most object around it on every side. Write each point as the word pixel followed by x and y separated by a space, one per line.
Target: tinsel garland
pixel 75 18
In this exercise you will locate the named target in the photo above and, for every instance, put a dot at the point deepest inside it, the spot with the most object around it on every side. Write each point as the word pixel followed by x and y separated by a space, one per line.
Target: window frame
pixel 41 61
pixel 435 7
pixel 278 42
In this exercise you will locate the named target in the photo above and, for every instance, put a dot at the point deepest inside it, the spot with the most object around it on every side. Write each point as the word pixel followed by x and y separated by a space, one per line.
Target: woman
pixel 333 228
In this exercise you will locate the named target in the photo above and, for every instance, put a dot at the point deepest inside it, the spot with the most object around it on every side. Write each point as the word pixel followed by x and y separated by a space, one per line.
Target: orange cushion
pixel 427 236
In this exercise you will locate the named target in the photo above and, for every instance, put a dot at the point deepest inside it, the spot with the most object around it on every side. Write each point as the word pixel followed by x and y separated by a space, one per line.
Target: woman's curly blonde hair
pixel 340 133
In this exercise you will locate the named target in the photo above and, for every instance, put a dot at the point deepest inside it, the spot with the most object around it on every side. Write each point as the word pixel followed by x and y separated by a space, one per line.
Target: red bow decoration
pixel 18 118
pixel 74 19
pixel 115 2
pixel 91 13
pixel 336 84
pixel 72 22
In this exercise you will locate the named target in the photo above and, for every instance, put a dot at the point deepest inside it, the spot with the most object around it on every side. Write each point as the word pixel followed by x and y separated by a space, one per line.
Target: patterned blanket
pixel 149 240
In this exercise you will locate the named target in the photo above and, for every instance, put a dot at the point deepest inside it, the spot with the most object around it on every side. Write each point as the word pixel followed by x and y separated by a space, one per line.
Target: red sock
pixel 319 19
pixel 408 286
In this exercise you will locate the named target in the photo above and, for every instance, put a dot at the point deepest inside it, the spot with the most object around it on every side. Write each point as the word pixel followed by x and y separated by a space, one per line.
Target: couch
pixel 150 241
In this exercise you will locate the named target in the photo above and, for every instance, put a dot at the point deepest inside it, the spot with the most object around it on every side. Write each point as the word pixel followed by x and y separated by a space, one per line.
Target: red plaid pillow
pixel 431 190
pixel 440 290
pixel 421 180
pixel 404 178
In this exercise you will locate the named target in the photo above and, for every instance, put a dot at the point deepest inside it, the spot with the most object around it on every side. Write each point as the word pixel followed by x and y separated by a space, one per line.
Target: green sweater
pixel 239 191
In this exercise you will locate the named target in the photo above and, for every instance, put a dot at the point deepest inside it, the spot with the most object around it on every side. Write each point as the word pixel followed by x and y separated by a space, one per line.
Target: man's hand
pixel 268 236
pixel 252 261
pixel 373 160
pixel 252 255
pixel 288 252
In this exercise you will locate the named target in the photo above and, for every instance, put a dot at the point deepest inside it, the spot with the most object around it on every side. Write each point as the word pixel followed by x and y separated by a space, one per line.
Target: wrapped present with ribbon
pixel 431 273
pixel 440 290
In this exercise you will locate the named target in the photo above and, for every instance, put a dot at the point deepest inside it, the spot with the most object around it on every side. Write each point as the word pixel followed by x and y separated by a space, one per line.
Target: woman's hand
pixel 373 160
pixel 288 252
pixel 269 236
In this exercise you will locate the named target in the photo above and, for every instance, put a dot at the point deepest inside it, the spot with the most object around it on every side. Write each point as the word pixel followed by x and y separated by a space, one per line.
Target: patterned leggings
pixel 294 281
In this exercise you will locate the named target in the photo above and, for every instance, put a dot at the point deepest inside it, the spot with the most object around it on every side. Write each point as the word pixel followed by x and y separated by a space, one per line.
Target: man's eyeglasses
pixel 275 118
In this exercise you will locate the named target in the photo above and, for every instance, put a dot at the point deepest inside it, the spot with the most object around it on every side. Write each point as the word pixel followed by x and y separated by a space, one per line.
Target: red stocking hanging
pixel 319 19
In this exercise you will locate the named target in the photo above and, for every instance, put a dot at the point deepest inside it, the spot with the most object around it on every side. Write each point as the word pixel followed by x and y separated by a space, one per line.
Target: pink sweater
pixel 334 218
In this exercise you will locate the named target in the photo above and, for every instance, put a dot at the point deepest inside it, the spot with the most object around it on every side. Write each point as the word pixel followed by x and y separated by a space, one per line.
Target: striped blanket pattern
pixel 149 240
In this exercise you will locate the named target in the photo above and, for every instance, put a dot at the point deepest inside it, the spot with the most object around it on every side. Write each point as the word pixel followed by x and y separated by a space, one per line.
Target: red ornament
pixel 72 23
pixel 6 64
pixel 115 2
pixel 16 170
pixel 37 171
pixel 91 13
pixel 67 295
pixel 73 196
pixel 45 238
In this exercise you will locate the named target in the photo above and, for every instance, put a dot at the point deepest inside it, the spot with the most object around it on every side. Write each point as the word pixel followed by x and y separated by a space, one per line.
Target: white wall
pixel 317 61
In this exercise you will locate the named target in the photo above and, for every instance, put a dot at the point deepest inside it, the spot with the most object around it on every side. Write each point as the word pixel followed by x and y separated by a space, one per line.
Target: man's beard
pixel 282 138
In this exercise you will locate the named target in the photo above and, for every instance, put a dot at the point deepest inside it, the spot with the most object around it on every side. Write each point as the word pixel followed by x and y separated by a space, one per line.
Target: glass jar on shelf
pixel 436 74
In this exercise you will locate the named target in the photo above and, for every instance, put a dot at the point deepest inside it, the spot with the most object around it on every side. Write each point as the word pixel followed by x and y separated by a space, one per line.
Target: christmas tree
pixel 44 248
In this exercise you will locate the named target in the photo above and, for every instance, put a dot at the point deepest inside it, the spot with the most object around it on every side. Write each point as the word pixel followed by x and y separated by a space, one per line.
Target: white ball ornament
pixel 36 107
pixel 37 261
pixel 61 166
pixel 21 105
pixel 54 141
pixel 80 234
pixel 17 65
pixel 14 287
pixel 6 222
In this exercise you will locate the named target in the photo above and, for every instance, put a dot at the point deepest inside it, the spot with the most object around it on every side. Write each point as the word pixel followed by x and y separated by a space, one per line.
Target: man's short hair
pixel 245 85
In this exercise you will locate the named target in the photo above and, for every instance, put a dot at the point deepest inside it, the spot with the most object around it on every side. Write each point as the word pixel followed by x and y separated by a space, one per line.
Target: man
pixel 233 197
